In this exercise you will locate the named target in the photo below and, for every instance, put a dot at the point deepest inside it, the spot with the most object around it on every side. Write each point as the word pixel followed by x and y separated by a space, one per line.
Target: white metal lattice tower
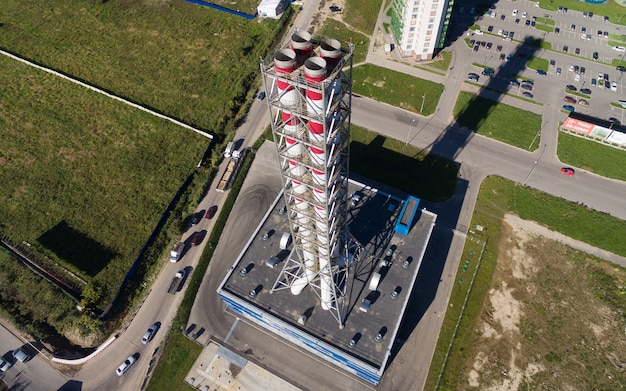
pixel 308 86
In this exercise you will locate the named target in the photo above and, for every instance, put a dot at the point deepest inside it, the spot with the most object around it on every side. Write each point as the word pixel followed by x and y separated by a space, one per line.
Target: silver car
pixel 147 337
pixel 126 365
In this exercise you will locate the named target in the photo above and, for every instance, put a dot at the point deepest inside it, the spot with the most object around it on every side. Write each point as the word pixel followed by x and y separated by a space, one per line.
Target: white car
pixel 125 365
pixel 577 77
pixel 524 14
pixel 619 48
pixel 614 86
pixel 478 32
pixel 570 68
pixel 21 356
pixel 514 12
pixel 4 365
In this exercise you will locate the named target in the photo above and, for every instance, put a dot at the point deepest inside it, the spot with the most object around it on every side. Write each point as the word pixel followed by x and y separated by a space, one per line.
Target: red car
pixel 196 238
pixel 569 99
pixel 210 212
pixel 568 171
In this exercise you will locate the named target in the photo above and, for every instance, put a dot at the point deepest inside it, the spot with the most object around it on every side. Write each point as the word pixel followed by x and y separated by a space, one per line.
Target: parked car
pixel 570 87
pixel 527 86
pixel 489 45
pixel 514 82
pixel 261 95
pixel 594 82
pixel 4 365
pixel 210 212
pixel 499 48
pixel 582 70
pixel 619 48
pixel 565 48
pixel 577 77
pixel 576 68
pixel 514 13
pixel 508 58
pixel 150 333
pixel 488 72
pixel 20 355
pixel 196 238
pixel 126 365
pixel 605 34
pixel 595 56
pixel 577 51
pixel 552 63
pixel 502 17
pixel 621 68
pixel 568 108
pixel 568 171
pixel 490 29
pixel 614 86
pixel 557 30
pixel 541 72
pixel 569 99
pixel 583 102
pixel 524 14
pixel 585 91
pixel 614 121
pixel 600 33
pixel 517 21
pixel 527 23
pixel 583 29
pixel 472 76
pixel 527 94
pixel 558 71
pixel 502 56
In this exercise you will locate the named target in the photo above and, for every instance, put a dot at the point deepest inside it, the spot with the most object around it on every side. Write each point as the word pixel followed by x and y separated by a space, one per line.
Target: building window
pixel 425 51
pixel 413 22
pixel 431 20
pixel 427 39
pixel 414 16
pixel 415 10
pixel 434 6
pixel 426 44
pixel 411 35
pixel 409 46
pixel 433 13
pixel 429 32
pixel 411 28
pixel 430 26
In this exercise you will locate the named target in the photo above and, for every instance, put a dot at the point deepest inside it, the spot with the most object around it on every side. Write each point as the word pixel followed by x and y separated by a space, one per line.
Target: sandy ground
pixel 541 325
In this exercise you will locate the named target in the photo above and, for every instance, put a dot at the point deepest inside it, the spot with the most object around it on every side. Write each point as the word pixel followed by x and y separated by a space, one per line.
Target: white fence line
pixel 115 97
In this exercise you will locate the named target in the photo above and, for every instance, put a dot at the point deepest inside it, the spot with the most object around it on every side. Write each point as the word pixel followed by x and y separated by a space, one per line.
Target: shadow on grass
pixel 77 248
pixel 430 178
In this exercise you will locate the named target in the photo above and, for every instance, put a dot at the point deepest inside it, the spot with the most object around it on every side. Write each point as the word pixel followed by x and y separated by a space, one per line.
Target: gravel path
pixel 533 227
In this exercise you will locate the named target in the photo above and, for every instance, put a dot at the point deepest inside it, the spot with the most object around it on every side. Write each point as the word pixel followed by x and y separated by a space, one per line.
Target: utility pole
pixel 408 135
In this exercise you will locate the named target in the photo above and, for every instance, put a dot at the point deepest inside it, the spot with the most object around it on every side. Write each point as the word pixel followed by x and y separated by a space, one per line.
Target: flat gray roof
pixel 371 222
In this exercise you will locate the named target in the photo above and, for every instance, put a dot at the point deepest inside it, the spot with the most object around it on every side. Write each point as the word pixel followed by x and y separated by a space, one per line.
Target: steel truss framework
pixel 309 90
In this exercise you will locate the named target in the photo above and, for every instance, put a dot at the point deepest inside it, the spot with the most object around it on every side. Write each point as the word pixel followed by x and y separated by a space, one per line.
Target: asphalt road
pixel 478 157
pixel 35 374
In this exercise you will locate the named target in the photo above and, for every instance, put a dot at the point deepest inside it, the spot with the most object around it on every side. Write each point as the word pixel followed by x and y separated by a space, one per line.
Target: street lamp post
pixel 423 99
pixel 408 135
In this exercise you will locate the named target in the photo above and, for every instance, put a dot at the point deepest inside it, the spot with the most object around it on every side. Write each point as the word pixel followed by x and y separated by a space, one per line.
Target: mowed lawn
pixel 76 164
pixel 496 120
pixel 396 88
pixel 592 156
pixel 188 61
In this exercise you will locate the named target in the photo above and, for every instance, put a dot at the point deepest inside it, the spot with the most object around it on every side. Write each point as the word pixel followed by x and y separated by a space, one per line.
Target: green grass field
pixel 190 62
pixel 537 63
pixel 362 14
pixel 416 172
pixel 598 158
pixel 395 88
pixel 616 12
pixel 85 178
pixel 496 120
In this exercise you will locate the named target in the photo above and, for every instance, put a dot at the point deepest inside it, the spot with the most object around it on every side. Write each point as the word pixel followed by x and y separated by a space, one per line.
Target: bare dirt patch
pixel 553 320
